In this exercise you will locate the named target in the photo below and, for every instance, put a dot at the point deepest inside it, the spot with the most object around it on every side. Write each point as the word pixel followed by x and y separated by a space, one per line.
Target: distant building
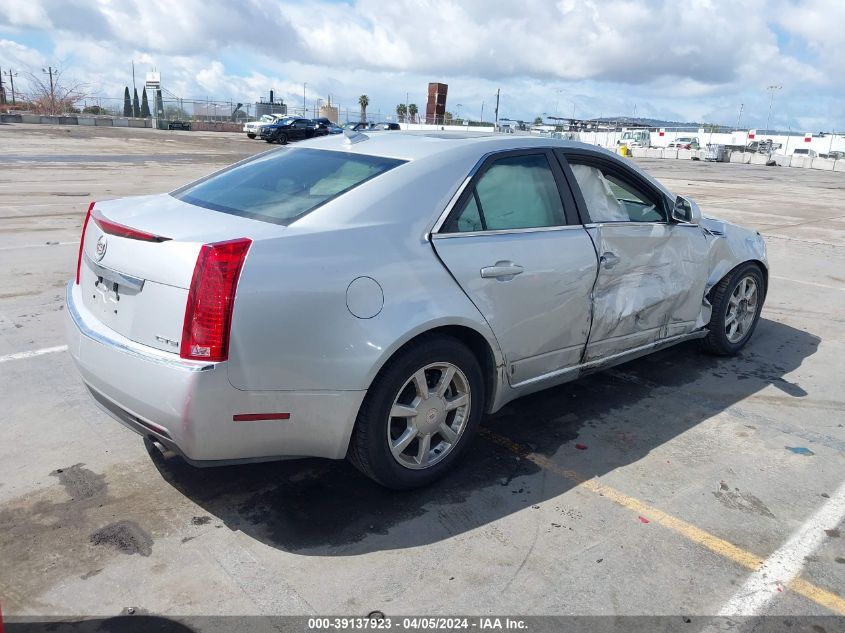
pixel 277 107
pixel 329 111
pixel 435 107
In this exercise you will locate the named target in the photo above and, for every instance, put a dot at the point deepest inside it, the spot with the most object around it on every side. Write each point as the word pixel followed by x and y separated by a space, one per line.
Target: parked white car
pixel 254 128
pixel 810 153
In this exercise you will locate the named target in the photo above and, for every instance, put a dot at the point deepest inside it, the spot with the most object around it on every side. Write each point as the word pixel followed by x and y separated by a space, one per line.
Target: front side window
pixel 610 199
pixel 515 192
pixel 284 185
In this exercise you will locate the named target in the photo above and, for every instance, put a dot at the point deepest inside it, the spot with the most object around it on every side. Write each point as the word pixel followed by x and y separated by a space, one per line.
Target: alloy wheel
pixel 742 309
pixel 429 415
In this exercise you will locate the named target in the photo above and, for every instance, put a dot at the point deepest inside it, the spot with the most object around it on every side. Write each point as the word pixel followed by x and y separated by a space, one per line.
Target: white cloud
pixel 686 59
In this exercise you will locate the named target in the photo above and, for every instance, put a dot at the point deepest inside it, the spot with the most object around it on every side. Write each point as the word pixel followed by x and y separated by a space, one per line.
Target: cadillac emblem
pixel 100 248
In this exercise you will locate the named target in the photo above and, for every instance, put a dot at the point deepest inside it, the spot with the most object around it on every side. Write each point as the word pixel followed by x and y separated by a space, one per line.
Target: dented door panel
pixel 650 285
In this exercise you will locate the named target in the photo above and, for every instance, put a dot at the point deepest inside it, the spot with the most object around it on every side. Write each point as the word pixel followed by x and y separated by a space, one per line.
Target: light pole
pixel 11 75
pixel 49 71
pixel 771 90
pixel 458 107
pixel 304 107
pixel 557 101
pixel 739 116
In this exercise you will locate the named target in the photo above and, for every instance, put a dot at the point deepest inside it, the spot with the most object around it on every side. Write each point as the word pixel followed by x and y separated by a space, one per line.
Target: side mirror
pixel 686 211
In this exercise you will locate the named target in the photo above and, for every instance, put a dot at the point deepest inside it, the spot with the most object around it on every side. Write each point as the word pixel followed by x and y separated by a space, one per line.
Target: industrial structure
pixel 435 107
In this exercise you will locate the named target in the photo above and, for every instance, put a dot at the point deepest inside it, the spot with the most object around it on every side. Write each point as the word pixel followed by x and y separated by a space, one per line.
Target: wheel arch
pixel 720 274
pixel 484 350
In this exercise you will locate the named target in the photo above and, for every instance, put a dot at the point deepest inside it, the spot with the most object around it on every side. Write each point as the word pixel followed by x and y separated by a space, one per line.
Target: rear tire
pixel 737 301
pixel 250 135
pixel 408 435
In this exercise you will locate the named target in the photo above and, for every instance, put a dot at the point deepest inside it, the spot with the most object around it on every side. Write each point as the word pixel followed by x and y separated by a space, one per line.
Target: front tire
pixel 419 415
pixel 737 301
pixel 282 139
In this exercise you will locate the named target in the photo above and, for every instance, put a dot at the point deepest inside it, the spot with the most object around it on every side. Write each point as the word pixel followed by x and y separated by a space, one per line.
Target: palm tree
pixel 401 112
pixel 412 111
pixel 363 101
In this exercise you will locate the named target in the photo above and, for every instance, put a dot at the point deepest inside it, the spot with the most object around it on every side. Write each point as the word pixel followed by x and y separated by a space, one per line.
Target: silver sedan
pixel 373 297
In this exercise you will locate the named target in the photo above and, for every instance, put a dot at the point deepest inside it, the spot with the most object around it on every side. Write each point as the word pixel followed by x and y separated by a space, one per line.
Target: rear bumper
pixel 188 406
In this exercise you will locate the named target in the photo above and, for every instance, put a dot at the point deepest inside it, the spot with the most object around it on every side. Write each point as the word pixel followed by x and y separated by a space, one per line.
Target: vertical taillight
pixel 208 315
pixel 82 242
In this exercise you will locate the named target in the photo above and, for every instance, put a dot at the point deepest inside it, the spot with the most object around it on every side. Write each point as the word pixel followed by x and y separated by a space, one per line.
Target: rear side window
pixel 283 186
pixel 516 192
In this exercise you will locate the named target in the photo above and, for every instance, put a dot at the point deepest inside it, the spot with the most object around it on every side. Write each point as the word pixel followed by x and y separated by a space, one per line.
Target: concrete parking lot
pixel 676 484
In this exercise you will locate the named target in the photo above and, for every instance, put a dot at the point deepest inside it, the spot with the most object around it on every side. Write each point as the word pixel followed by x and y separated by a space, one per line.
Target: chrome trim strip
pixel 615 358
pixel 133 349
pixel 538 229
pixel 592 225
pixel 135 283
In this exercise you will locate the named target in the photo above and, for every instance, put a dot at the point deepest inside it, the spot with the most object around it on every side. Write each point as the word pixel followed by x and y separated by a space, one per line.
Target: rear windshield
pixel 284 185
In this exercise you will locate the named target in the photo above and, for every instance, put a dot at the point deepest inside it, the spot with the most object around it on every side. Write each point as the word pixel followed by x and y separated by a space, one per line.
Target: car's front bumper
pixel 189 406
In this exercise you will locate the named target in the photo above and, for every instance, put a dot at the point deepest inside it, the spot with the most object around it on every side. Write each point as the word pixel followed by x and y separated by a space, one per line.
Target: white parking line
pixel 806 283
pixel 34 352
pixel 784 565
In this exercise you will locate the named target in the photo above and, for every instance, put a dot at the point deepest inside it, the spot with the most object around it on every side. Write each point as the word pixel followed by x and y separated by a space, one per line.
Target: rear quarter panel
pixel 291 327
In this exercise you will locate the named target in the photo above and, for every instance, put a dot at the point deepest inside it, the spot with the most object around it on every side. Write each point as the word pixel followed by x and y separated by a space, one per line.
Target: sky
pixel 684 60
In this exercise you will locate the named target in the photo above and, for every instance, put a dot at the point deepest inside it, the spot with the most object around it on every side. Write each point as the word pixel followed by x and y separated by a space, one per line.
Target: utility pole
pixel 482 112
pixel 771 90
pixel 2 92
pixel 739 117
pixel 304 107
pixel 496 123
pixel 49 71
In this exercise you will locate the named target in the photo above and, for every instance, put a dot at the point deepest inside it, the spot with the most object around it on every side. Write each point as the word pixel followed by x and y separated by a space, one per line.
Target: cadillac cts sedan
pixel 374 297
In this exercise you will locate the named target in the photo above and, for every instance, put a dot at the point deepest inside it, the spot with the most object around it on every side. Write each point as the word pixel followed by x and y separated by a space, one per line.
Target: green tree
pixel 401 111
pixel 145 105
pixel 363 101
pixel 412 111
pixel 136 107
pixel 538 120
pixel 448 118
pixel 127 102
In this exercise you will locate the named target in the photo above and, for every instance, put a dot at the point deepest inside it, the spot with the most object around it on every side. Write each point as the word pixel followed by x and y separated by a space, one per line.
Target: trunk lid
pixel 139 288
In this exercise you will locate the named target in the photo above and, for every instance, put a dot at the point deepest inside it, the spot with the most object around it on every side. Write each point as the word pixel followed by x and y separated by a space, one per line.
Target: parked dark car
pixel 290 129
pixel 357 126
pixel 179 125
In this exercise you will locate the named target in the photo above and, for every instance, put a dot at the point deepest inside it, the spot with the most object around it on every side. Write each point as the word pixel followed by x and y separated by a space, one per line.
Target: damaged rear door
pixel 652 271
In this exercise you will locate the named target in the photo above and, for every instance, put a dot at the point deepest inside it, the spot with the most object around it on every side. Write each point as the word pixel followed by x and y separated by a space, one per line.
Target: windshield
pixel 266 118
pixel 284 185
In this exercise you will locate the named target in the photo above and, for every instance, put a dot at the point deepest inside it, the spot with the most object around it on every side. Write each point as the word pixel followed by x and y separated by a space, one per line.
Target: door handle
pixel 503 270
pixel 609 260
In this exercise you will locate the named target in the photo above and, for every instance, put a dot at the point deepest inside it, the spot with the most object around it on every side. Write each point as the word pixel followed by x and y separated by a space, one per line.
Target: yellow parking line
pixel 692 533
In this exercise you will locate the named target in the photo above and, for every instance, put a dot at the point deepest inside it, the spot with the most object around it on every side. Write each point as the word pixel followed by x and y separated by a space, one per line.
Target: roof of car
pixel 416 145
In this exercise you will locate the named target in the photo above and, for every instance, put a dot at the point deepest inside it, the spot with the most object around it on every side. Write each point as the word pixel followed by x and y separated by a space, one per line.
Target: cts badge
pixel 100 248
